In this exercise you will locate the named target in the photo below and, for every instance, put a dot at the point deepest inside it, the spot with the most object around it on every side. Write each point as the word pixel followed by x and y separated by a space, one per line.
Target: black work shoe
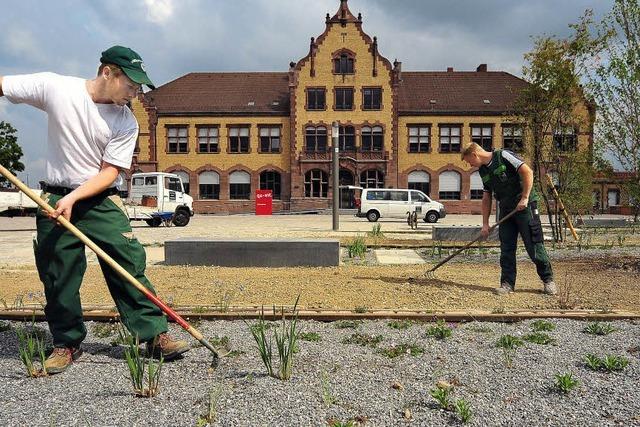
pixel 167 347
pixel 60 359
pixel 504 289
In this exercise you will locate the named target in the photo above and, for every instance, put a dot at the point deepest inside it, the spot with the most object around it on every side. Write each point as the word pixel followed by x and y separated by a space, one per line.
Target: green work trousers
pixel 527 224
pixel 60 258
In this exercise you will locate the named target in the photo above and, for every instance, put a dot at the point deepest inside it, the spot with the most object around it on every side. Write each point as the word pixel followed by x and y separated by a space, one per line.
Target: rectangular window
pixel 347 138
pixel 177 139
pixel 512 138
pixel 316 99
pixel 209 191
pixel 565 139
pixel 316 139
pixel 483 136
pixel 239 191
pixel 476 194
pixel 450 136
pixel 371 98
pixel 270 139
pixel 207 139
pixel 372 139
pixel 419 139
pixel 344 98
pixel 239 139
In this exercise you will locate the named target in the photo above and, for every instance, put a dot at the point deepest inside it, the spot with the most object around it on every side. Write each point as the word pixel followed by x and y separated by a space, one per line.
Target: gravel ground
pixel 95 391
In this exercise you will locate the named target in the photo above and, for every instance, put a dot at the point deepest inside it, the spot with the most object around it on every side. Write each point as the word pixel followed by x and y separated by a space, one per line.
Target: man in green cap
pixel 510 180
pixel 92 134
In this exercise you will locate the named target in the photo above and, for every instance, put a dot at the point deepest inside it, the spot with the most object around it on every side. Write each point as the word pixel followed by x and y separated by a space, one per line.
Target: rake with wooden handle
pixel 113 264
pixel 431 273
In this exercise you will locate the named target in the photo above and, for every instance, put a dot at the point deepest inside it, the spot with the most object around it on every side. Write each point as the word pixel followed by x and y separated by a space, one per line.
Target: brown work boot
pixel 166 346
pixel 60 359
pixel 504 289
pixel 550 288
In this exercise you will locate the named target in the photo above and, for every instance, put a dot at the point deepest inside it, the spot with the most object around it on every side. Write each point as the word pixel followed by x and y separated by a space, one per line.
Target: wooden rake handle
pixel 441 263
pixel 106 258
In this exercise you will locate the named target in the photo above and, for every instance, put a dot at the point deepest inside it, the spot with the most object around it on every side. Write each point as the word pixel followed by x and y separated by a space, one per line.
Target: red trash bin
pixel 264 202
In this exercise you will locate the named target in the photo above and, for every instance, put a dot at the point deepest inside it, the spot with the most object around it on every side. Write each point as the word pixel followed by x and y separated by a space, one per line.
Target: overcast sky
pixel 175 37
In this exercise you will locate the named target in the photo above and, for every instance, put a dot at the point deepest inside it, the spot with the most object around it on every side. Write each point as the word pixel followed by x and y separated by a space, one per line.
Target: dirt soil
pixel 610 283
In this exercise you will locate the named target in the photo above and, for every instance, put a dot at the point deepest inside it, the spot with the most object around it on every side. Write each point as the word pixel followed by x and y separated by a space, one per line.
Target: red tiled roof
pixel 458 92
pixel 224 93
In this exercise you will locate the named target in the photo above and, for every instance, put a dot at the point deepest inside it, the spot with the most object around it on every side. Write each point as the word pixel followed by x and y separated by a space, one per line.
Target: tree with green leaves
pixel 10 151
pixel 554 111
pixel 614 83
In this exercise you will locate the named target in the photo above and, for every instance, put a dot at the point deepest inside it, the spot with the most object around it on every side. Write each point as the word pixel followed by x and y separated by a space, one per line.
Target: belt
pixel 63 191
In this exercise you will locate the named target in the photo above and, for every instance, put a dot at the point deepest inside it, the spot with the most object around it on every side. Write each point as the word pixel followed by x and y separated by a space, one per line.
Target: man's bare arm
pixel 526 174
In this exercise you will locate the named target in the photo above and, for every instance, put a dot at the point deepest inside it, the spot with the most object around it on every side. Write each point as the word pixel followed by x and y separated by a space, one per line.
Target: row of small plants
pixel 144 372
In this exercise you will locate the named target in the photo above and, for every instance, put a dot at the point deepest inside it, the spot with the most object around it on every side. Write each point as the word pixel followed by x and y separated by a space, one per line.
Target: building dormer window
pixel 343 64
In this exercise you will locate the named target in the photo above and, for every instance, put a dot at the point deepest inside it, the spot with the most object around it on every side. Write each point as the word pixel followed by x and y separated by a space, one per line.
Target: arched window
pixel 372 139
pixel 316 183
pixel 372 178
pixel 209 185
pixel 450 183
pixel 476 186
pixel 270 180
pixel 343 64
pixel 316 139
pixel 420 180
pixel 240 185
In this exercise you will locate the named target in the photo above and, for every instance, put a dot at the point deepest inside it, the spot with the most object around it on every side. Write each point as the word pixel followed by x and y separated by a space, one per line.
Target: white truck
pixel 157 198
pixel 15 203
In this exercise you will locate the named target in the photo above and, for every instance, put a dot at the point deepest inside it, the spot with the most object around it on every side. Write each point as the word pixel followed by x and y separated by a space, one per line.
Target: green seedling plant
pixel 357 248
pixel 565 382
pixel 327 395
pixel 509 344
pixel 440 331
pixel 363 340
pixel 463 409
pixel 123 338
pixel 543 326
pixel 347 324
pixel 376 231
pixel 212 407
pixel 138 366
pixel 401 350
pixel 597 328
pixel 285 337
pixel 400 324
pixel 441 395
pixel 30 346
pixel 593 362
pixel 613 363
pixel 539 338
pixel 286 342
pixel 309 336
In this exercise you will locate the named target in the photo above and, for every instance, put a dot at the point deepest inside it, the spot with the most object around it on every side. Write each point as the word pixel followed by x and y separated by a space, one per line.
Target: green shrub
pixel 440 331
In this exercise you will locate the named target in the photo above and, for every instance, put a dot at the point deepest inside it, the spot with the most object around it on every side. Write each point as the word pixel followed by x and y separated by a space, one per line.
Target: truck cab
pixel 155 197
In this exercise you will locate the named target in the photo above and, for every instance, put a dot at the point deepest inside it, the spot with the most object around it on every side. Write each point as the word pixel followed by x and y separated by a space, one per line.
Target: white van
pixel 396 203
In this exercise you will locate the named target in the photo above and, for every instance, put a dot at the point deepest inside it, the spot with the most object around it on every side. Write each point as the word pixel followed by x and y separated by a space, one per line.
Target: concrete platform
pixel 252 253
pixel 460 233
pixel 398 256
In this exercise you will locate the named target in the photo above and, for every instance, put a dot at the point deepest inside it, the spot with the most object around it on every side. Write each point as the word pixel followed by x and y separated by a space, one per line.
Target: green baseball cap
pixel 130 63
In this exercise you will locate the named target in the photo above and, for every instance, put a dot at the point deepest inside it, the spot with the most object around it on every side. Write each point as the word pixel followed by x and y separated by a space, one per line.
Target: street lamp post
pixel 335 172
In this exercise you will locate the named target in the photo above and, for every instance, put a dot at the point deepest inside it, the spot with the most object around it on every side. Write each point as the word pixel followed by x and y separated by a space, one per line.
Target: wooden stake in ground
pixel 564 212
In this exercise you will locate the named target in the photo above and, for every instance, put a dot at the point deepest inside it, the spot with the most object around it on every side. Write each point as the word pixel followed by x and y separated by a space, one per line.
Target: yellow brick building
pixel 228 134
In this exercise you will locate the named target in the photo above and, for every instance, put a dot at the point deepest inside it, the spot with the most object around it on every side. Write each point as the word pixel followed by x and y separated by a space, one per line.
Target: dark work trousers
pixel 527 224
pixel 60 258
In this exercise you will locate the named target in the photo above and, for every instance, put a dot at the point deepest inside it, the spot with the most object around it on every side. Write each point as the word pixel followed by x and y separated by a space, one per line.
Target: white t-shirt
pixel 81 132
